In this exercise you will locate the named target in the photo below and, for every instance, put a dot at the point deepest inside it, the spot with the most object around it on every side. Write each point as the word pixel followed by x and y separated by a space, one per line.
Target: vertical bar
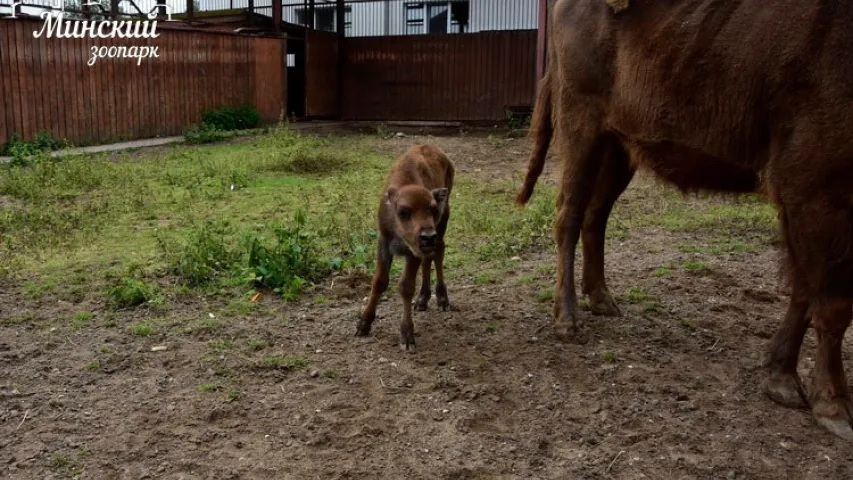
pixel 114 9
pixel 191 10
pixel 276 15
pixel 311 14
pixel 341 47
pixel 251 12
pixel 541 36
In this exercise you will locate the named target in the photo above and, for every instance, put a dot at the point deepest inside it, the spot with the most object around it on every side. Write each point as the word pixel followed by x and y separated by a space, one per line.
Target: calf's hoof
pixel 604 305
pixel 422 301
pixel 836 415
pixel 786 390
pixel 407 340
pixel 570 330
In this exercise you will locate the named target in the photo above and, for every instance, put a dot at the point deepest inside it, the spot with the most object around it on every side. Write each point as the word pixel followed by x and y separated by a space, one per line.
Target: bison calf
pixel 412 219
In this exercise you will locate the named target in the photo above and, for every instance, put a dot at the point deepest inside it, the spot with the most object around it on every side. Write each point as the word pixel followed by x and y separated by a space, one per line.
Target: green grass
pixel 281 211
pixel 209 387
pixel 141 330
pixel 288 362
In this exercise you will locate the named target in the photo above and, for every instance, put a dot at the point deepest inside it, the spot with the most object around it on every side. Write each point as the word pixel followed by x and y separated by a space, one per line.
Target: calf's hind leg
pixel 613 178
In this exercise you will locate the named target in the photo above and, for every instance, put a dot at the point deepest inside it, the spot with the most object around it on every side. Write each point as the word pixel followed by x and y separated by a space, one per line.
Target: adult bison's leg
pixel 582 148
pixel 783 386
pixel 830 396
pixel 615 175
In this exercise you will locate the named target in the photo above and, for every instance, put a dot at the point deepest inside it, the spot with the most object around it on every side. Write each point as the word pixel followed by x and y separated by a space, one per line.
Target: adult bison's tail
pixel 541 131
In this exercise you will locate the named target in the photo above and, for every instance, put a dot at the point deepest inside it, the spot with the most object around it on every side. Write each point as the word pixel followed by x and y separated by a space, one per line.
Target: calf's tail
pixel 541 131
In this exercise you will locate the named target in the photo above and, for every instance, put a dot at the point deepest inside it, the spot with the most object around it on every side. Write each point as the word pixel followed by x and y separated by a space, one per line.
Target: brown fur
pixel 719 95
pixel 412 221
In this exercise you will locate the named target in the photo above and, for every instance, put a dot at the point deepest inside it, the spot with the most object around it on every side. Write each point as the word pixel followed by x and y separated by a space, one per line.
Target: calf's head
pixel 416 211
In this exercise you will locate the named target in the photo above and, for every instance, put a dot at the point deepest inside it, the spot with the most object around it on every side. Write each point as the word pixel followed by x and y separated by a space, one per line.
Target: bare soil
pixel 670 391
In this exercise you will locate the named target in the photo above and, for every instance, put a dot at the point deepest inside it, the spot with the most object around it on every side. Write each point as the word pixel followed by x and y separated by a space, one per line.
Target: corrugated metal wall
pixel 46 84
pixel 438 77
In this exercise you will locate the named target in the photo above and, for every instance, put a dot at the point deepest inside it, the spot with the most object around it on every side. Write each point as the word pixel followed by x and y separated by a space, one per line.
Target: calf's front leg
pixel 407 292
pixel 380 284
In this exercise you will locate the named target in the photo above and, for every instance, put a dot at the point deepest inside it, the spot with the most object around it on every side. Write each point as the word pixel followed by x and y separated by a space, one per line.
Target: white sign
pixel 56 26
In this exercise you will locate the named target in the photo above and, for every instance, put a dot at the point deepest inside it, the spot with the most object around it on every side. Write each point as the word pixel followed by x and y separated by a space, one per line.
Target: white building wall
pixel 380 18
pixel 503 15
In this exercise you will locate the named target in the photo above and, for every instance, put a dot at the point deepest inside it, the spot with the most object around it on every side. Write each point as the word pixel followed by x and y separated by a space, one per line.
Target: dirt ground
pixel 489 394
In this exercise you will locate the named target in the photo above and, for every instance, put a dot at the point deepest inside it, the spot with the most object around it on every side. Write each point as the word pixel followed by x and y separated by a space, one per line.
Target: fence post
pixel 190 10
pixel 114 9
pixel 276 15
pixel 251 12
pixel 341 31
pixel 541 36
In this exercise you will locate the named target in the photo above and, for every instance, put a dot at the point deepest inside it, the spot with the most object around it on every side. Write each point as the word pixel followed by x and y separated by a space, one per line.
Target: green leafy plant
pixel 232 118
pixel 288 263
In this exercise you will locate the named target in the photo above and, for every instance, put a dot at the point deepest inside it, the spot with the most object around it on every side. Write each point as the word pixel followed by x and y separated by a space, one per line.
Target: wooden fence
pixel 46 84
pixel 439 77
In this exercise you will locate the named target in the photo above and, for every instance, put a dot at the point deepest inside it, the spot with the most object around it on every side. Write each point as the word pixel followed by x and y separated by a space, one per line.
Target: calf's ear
pixel 390 194
pixel 440 195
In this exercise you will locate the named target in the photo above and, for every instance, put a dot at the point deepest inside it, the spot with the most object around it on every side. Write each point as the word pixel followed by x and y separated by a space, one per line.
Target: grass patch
pixel 81 319
pixel 288 362
pixel 209 387
pixel 697 267
pixel 609 357
pixel 141 330
pixel 131 292
pixel 545 294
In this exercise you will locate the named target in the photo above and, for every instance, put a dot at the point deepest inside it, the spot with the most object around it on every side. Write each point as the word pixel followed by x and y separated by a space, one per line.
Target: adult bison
pixel 719 95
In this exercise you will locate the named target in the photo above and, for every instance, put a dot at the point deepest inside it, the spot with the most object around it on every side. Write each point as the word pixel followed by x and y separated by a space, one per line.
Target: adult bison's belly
pixel 691 169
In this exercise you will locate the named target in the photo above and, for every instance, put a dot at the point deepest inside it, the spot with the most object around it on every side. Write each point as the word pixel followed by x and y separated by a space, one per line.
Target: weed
pixel 288 263
pixel 131 292
pixel 662 271
pixel 638 295
pixel 288 362
pixel 697 267
pixel 60 461
pixel 106 350
pixel 141 330
pixel 241 117
pixel 234 396
pixel 484 279
pixel 94 365
pixel 221 344
pixel 79 320
pixel 688 324
pixel 609 357
pixel 256 345
pixel 545 294
pixel 208 252
pixel 524 280
pixel 331 374
pixel 209 387
pixel 491 328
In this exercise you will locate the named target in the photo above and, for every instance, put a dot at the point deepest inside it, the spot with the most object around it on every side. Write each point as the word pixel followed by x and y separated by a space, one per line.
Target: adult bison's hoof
pixel 835 415
pixel 571 330
pixel 786 390
pixel 363 328
pixel 407 340
pixel 604 305
pixel 422 301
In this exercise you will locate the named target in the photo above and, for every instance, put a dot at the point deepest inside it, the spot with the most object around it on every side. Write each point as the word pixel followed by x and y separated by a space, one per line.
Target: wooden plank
pixel 25 85
pixel 74 95
pixel 5 89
